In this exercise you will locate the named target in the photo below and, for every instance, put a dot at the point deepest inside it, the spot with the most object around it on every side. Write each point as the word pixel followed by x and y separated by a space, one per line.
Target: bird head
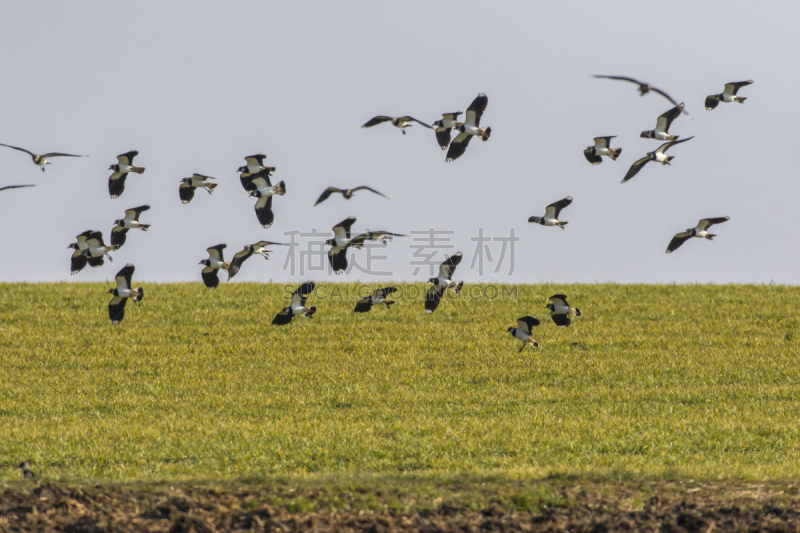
pixel 435 281
pixel 242 169
pixel 331 242
pixel 74 246
pixel 205 262
pixel 551 307
pixel 511 329
pixel 256 193
pixel 118 222
pixel 647 134
pixel 437 123
pixel 112 167
pixel 113 291
pixel 186 180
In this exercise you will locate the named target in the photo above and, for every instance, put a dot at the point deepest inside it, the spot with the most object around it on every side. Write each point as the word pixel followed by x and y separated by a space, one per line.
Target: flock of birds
pixel 91 249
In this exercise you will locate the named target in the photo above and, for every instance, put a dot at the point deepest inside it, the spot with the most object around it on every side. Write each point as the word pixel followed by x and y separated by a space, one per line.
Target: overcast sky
pixel 195 86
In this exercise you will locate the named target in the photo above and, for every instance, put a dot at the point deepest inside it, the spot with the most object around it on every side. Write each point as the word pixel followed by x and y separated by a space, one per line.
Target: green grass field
pixel 676 381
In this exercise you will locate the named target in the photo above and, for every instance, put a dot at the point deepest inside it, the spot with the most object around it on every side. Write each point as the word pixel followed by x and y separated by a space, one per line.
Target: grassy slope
pixel 675 381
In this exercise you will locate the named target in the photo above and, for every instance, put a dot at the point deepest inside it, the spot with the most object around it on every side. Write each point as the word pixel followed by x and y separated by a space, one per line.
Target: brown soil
pixel 646 507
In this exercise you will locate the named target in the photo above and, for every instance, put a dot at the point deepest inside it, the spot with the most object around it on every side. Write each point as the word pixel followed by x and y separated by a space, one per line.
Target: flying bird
pixel 79 260
pixel 188 185
pixel 700 231
pixel 378 297
pixel 658 155
pixel 41 160
pixel 27 473
pixel 116 181
pixel 15 187
pixel 251 249
pixel 397 122
pixel 260 186
pixel 602 146
pixel 298 305
pixel 124 290
pixel 444 126
pixel 337 255
pixel 213 264
pixel 728 95
pixel 255 164
pixel 560 311
pixel 443 281
pixel 470 128
pixel 644 88
pixel 551 213
pixel 131 221
pixel 661 133
pixel 523 331
pixel 96 249
pixel 347 193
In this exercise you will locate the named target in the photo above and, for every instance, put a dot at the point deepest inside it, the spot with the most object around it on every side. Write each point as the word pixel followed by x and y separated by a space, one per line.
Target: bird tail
pixel 575 311
pixel 389 303
pixel 211 186
pixel 138 170
pixel 310 312
pixel 710 236
pixel 741 100
pixel 562 224
pixel 139 298
pixel 457 288
pixel 615 153
pixel 281 188
pixel 144 227
pixel 486 134
pixel 112 248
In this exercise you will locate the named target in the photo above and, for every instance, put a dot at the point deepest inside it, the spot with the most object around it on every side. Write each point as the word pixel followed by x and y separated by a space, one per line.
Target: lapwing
pixel 644 88
pixel 9 187
pixel 131 221
pixel 97 249
pixel 397 122
pixel 124 290
pixel 337 255
pixel 442 282
pixel 42 159
pixel 298 305
pixel 116 181
pixel 728 95
pixel 27 473
pixel 700 231
pixel 213 264
pixel 251 249
pixel 523 331
pixel 188 185
pixel 260 186
pixel 602 147
pixel 658 155
pixel 255 164
pixel 470 128
pixel 79 260
pixel 661 133
pixel 346 193
pixel 378 297
pixel 551 213
pixel 560 311
pixel 444 126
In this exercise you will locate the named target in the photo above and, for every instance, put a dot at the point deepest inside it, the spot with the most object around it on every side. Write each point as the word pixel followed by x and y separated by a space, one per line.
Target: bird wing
pixel 338 260
pixel 559 299
pixel 238 259
pixel 409 118
pixel 591 157
pixel 59 154
pixel 123 277
pixel 127 157
pixel 20 149
pixel 326 194
pixel 264 212
pixel 77 262
pixel 118 235
pixel 733 87
pixel 116 184
pixel 526 323
pixel 95 239
pixel 215 252
pixel 116 309
pixel 443 137
pixel 282 318
pixel 255 160
pixel 706 223
pixel 210 277
pixel 370 189
pixel 302 293
pixel 376 120
pixel 561 320
pixel 363 305
pixel 635 168
pixel 15 187
pixel 85 235
pixel 554 209
pixel 133 213
pixel 711 103
pixel 677 240
pixel 667 145
pixel 384 292
pixel 458 146
pixel 432 298
pixel 186 192
pixel 257 182
pixel 622 78
pixel 448 266
pixel 342 229
pixel 476 109
pixel 451 116
pixel 603 142
pixel 664 121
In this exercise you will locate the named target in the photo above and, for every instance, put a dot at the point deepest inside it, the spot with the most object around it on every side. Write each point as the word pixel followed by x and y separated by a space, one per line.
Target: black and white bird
pixel 442 282
pixel 644 88
pixel 560 311
pixel 444 126
pixel 728 95
pixel 470 128
pixel 131 221
pixel 551 213
pixel 116 181
pixel 700 231
pixel 658 155
pixel 602 147
pixel 188 186
pixel 337 255
pixel 260 186
pixel 255 164
pixel 27 473
pixel 397 122
pixel 661 133
pixel 378 297
pixel 79 260
pixel 124 290
pixel 96 249
pixel 298 305
pixel 251 249
pixel 8 187
pixel 214 263
pixel 523 331
pixel 347 193
pixel 42 159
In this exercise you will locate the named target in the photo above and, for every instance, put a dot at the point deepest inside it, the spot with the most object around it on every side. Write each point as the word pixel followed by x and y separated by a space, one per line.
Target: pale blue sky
pixel 197 85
